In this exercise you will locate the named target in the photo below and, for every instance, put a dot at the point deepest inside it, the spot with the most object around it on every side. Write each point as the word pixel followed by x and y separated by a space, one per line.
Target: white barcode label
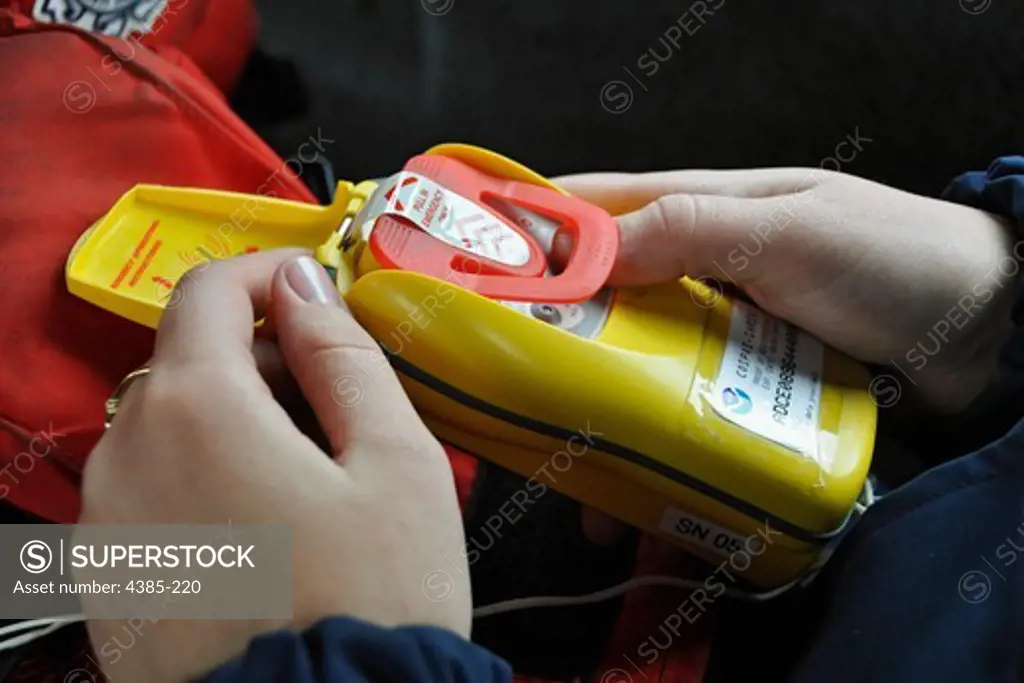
pixel 770 380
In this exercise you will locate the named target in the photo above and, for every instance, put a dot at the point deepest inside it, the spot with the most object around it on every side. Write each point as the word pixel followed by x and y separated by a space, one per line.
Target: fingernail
pixel 562 247
pixel 309 280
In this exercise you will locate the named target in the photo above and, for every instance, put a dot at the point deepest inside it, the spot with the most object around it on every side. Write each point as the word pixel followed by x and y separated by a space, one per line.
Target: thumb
pixel 690 234
pixel 340 369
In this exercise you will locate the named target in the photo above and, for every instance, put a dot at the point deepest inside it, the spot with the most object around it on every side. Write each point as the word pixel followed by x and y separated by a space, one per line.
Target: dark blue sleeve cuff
pixel 341 649
pixel 998 190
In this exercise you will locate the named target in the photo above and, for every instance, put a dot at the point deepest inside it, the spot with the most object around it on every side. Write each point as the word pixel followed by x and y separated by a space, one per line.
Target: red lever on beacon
pixel 443 219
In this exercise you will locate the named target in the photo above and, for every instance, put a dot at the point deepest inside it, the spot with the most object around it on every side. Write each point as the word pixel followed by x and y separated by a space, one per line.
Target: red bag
pixel 64 165
pixel 217 35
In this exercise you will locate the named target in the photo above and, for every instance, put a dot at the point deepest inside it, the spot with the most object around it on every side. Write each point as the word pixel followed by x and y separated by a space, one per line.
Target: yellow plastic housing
pixel 516 390
pixel 525 394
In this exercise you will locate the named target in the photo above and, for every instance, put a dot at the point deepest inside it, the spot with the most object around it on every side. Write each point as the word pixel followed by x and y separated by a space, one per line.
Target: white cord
pixel 617 590
pixel 869 493
pixel 868 499
pixel 32 635
pixel 23 625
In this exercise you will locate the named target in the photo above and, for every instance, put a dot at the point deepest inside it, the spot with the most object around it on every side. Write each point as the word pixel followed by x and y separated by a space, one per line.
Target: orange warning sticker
pixel 135 255
pixel 145 263
pixel 145 239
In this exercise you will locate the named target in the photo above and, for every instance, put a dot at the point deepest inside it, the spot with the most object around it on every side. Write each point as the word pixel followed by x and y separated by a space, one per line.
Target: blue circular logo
pixel 737 400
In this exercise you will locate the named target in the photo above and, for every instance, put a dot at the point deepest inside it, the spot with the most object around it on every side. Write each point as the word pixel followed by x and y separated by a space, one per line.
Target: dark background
pixel 931 87
pixel 934 86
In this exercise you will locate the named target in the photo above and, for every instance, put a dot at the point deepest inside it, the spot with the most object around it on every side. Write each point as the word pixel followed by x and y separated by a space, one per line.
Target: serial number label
pixel 707 534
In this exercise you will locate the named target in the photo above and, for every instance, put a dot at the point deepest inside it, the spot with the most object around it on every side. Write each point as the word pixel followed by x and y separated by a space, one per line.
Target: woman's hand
pixel 887 276
pixel 201 440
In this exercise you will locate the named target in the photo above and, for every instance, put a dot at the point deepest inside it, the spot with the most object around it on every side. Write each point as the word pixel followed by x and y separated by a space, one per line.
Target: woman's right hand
pixel 886 276
pixel 203 440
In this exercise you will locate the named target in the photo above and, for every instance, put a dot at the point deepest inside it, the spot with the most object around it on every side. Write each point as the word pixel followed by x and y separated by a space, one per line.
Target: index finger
pixel 620 193
pixel 216 308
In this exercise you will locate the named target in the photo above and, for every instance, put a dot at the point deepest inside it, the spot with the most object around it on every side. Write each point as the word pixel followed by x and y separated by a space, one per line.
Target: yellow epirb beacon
pixel 689 414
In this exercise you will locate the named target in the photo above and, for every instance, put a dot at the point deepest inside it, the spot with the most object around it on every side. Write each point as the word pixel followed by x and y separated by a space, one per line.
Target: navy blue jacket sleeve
pixel 341 649
pixel 999 190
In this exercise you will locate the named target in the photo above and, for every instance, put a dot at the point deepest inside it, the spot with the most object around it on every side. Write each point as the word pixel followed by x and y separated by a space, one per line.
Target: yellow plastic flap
pixel 131 259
